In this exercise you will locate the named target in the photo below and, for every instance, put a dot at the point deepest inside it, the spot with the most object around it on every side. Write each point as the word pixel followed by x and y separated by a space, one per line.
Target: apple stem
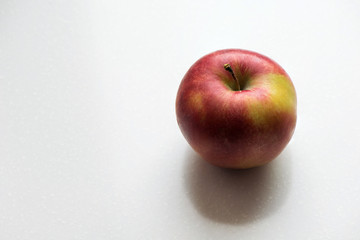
pixel 229 69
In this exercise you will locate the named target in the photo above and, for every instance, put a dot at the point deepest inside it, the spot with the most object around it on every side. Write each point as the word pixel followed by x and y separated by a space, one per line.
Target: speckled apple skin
pixel 236 129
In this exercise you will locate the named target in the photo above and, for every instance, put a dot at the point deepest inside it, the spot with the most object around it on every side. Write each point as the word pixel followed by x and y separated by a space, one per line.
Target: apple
pixel 236 108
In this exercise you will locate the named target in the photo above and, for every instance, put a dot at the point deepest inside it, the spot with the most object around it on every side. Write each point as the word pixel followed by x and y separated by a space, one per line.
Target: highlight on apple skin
pixel 236 108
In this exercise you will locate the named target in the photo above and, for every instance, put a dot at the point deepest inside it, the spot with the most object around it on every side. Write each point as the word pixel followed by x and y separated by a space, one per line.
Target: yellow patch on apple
pixel 196 103
pixel 281 97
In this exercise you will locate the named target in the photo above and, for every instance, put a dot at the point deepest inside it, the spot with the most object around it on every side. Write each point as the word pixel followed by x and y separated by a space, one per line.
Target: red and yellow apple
pixel 236 108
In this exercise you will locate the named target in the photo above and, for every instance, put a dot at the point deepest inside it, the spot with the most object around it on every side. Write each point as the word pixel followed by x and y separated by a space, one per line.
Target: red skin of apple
pixel 236 129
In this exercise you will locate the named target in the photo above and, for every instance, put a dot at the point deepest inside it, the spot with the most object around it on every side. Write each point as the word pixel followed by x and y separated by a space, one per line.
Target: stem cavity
pixel 229 69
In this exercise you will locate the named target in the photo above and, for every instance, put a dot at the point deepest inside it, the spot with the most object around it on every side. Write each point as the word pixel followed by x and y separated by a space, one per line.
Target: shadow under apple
pixel 237 196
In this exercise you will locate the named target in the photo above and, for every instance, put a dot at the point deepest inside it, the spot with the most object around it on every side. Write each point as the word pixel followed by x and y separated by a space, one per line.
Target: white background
pixel 90 147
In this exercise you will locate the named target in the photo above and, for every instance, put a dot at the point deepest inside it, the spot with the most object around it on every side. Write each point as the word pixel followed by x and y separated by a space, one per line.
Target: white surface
pixel 90 147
